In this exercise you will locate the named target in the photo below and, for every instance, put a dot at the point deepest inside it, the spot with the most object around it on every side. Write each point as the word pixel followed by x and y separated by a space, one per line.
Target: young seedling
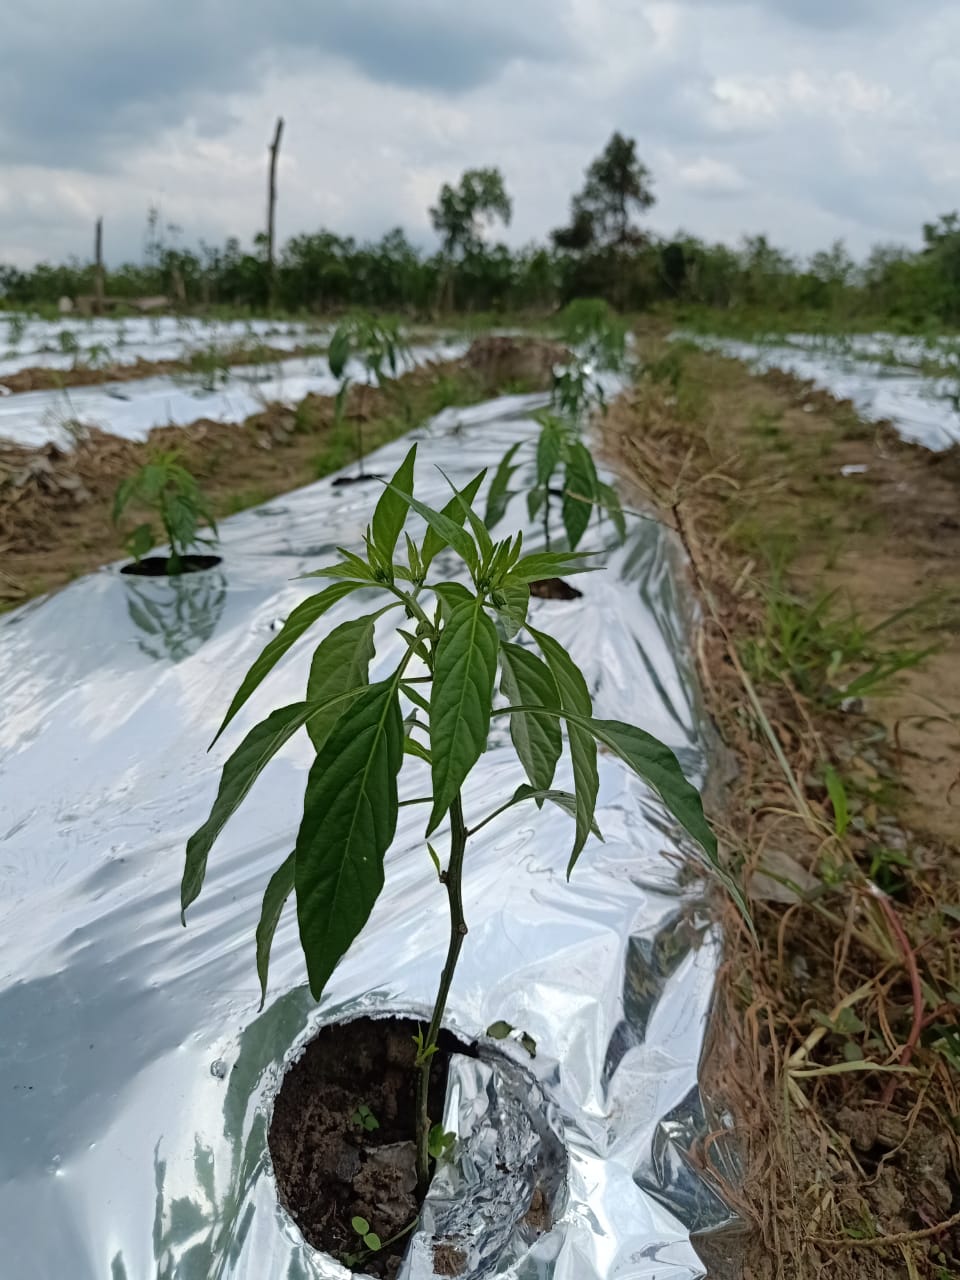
pixel 364 1119
pixel 439 1141
pixel 599 342
pixel 435 706
pixel 172 492
pixel 372 1242
pixel 379 346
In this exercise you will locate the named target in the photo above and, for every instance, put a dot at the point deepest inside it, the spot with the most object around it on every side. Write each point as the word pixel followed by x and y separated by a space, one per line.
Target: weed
pixel 825 656
pixel 364 1119
pixel 243 500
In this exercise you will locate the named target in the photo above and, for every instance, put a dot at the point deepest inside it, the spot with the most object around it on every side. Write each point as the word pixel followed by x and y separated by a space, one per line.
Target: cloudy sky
pixel 807 119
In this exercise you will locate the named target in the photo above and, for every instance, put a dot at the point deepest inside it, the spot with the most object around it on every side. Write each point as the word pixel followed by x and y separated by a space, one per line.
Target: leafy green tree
pixel 460 215
pixel 618 184
pixel 461 212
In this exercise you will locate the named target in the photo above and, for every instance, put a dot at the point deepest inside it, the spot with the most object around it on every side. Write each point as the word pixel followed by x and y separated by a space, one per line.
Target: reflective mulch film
pixel 923 408
pixel 132 409
pixel 136 1075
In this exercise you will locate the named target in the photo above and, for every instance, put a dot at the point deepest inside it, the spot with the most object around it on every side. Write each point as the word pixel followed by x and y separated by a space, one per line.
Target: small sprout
pixel 364 1118
pixel 440 1141
pixel 503 1031
pixel 424 1051
pixel 435 860
pixel 370 1238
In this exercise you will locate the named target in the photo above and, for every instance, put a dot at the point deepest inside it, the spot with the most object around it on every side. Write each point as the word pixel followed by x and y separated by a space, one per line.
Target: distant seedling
pixel 164 486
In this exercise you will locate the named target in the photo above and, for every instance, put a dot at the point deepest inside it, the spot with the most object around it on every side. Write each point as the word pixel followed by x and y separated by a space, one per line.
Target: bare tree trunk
pixel 98 288
pixel 271 212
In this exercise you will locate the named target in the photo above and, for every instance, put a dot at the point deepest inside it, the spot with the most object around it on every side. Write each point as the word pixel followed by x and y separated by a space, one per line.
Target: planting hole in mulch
pixel 342 1135
pixel 159 566
pixel 345 480
pixel 554 589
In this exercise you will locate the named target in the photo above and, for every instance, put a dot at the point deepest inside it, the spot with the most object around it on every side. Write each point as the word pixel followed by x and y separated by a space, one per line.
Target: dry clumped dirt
pixel 847 1171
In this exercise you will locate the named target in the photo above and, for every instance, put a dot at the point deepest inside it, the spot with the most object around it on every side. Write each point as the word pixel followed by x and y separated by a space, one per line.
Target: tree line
pixel 602 250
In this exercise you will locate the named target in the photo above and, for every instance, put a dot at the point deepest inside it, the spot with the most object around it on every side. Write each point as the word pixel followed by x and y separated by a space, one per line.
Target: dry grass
pixel 832 1037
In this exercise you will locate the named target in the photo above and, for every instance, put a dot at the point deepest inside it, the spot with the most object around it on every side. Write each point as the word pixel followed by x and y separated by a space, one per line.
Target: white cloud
pixel 711 177
pixel 805 134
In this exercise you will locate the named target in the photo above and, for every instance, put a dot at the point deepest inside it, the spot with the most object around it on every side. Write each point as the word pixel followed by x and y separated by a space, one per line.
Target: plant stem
pixel 458 931
pixel 546 516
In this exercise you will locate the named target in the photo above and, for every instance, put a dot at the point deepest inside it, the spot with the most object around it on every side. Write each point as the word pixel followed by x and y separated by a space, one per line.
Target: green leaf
pixel 512 601
pixel 360 1225
pixel 141 541
pixel 433 541
pixel 574 697
pixel 465 667
pixel 499 1030
pixel 412 747
pixel 238 776
pixel 838 798
pixel 537 738
pixel 435 859
pixel 391 511
pixel 480 530
pixel 413 559
pixel 278 890
pixel 579 487
pixel 535 500
pixel 549 444
pixel 372 1241
pixel 451 596
pixel 339 351
pixel 568 803
pixel 499 494
pixel 610 500
pixel 448 530
pixel 349 821
pixel 341 661
pixel 660 768
pixel 552 564
pixel 302 617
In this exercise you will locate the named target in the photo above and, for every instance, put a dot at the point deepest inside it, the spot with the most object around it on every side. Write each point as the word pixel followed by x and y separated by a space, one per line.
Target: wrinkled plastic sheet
pixel 41 343
pixel 922 409
pixel 132 409
pixel 136 1075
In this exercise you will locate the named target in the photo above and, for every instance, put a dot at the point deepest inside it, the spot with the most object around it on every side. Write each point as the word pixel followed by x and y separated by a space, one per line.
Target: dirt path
pixel 827 557
pixel 55 505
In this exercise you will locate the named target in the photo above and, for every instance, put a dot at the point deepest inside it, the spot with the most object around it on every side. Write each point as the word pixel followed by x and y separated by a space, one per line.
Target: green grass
pixel 827 654
pixel 243 500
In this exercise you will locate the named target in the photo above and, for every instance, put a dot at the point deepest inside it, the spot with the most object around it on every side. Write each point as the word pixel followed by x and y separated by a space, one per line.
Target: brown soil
pixel 329 1168
pixel 851 1165
pixel 55 504
pixel 502 361
pixel 39 378
pixel 554 589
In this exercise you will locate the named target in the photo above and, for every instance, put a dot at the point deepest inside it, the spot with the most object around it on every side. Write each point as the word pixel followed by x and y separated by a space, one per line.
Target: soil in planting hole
pixel 159 566
pixel 554 589
pixel 345 480
pixel 331 1167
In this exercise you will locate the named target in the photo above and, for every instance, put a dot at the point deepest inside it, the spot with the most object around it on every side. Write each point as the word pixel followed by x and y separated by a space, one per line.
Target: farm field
pixel 858 532
pixel 480 642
